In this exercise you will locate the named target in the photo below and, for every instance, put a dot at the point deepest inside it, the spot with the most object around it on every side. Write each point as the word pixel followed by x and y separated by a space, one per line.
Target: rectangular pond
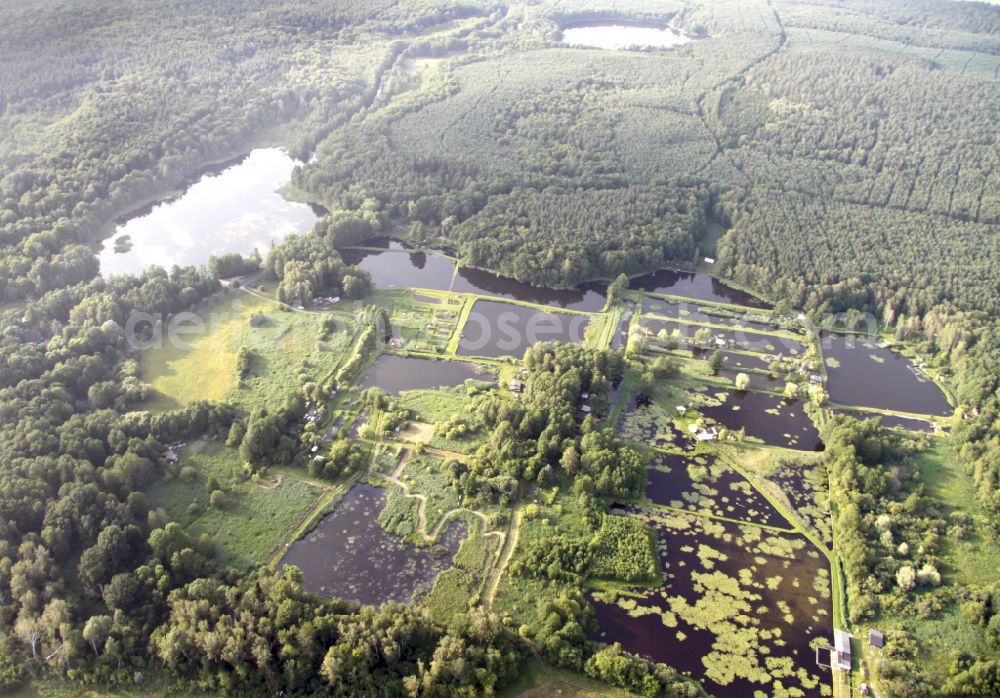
pixel 744 340
pixel 705 484
pixel 350 556
pixel 394 374
pixel 758 381
pixel 737 361
pixel 495 329
pixel 864 374
pixel 644 421
pixel 771 418
pixel 693 312
pixel 738 608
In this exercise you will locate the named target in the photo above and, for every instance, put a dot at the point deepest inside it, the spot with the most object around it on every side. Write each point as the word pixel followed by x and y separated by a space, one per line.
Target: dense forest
pixel 850 148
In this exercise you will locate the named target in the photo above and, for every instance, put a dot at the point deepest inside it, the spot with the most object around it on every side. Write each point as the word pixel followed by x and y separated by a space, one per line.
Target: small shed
pixel 876 639
pixel 516 386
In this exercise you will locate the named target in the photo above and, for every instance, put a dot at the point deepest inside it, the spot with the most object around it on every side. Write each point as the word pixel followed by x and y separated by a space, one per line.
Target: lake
pixel 350 556
pixel 237 209
pixel 620 36
pixel 697 286
pixel 771 418
pixel 863 374
pixel 403 269
pixel 496 329
pixel 394 374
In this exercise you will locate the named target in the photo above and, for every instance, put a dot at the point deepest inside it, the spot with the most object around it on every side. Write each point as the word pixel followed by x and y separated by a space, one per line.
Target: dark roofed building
pixel 876 639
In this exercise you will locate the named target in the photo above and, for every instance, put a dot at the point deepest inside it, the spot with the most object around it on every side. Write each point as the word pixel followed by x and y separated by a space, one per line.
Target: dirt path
pixel 504 555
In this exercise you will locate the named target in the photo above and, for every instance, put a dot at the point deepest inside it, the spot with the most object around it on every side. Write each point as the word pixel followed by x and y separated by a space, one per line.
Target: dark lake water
pixel 768 417
pixel 237 209
pixel 589 297
pixel 720 490
pixel 732 596
pixel 395 374
pixel 692 285
pixel 738 339
pixel 496 329
pixel 350 556
pixel 867 375
pixel 398 269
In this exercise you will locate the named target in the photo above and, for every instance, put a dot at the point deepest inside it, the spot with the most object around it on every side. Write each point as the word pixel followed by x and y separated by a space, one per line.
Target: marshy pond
pixel 645 421
pixel 350 556
pixel 704 484
pixel 735 360
pixel 236 208
pixel 395 374
pixel 738 608
pixel 864 374
pixel 693 312
pixel 744 340
pixel 771 418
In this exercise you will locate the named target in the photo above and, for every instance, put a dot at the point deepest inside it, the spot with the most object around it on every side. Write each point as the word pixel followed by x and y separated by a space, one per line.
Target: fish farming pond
pixel 496 329
pixel 738 607
pixel 396 374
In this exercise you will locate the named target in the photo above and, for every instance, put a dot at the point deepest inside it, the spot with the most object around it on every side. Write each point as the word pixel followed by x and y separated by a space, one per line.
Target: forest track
pixel 504 555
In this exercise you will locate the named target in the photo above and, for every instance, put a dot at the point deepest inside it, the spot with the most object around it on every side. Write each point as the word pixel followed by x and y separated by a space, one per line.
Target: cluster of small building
pixel 840 653
pixel 807 369
pixel 703 434
pixel 312 412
